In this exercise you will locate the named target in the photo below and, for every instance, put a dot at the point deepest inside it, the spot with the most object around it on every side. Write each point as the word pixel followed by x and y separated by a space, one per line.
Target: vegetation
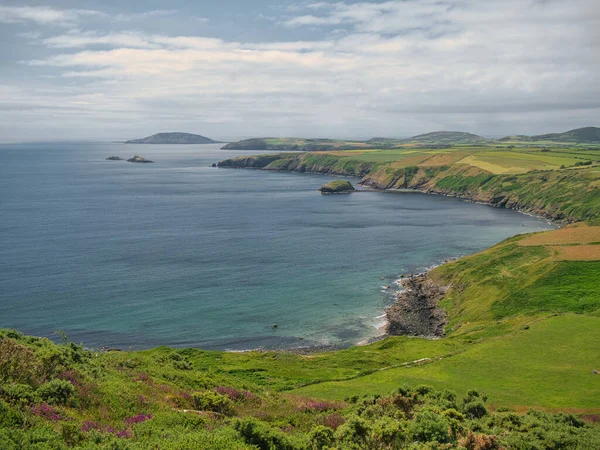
pixel 173 138
pixel 435 140
pixel 562 184
pixel 337 187
pixel 63 396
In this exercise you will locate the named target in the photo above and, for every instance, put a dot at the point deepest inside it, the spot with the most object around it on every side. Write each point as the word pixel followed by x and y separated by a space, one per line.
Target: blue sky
pixel 355 69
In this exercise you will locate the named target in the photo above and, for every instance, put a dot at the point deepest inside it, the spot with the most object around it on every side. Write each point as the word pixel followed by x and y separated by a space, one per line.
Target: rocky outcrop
pixel 114 158
pixel 337 187
pixel 139 159
pixel 416 311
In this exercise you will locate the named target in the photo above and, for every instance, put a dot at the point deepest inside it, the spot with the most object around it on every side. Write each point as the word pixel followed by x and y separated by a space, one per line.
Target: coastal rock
pixel 416 311
pixel 139 159
pixel 337 187
pixel 114 158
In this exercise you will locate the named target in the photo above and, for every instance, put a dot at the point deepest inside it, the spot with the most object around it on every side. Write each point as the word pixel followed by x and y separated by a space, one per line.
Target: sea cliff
pixel 563 196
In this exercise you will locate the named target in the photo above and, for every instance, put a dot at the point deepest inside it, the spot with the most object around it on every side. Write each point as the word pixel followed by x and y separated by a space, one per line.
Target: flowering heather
pixel 47 412
pixel 234 394
pixel 124 434
pixel 88 426
pixel 138 419
pixel 332 421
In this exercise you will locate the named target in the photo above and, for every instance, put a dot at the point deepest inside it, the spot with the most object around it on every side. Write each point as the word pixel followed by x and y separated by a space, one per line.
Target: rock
pixel 214 165
pixel 114 158
pixel 139 159
pixel 274 326
pixel 337 187
pixel 416 311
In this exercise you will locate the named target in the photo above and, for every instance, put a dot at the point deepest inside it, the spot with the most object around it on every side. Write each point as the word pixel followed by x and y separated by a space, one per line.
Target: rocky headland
pixel 416 311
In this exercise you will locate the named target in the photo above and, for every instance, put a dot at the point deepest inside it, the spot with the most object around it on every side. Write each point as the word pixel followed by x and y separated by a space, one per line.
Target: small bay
pixel 182 254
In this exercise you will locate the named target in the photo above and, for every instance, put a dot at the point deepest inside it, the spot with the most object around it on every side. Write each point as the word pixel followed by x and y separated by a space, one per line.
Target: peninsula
pixel 173 138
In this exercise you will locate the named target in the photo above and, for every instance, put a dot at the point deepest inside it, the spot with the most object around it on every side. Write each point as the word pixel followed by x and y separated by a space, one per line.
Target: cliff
pixel 561 195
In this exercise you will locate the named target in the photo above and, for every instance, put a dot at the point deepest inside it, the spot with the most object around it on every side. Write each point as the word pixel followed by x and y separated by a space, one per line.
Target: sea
pixel 179 253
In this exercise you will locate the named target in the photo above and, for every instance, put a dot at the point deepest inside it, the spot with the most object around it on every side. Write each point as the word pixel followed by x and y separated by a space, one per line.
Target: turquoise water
pixel 177 253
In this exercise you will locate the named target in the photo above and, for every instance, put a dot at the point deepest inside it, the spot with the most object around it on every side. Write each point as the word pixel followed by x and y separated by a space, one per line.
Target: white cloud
pixel 401 67
pixel 44 15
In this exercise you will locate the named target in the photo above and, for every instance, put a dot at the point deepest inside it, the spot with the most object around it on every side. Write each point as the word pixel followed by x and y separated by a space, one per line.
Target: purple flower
pixel 138 419
pixel 47 412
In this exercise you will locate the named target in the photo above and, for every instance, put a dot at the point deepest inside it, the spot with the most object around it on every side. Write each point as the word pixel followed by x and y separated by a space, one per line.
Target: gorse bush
pixel 65 397
pixel 56 392
pixel 212 401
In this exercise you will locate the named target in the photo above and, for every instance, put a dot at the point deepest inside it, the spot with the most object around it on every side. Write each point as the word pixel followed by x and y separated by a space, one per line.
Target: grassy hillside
pixel 62 396
pixel 580 135
pixel 561 184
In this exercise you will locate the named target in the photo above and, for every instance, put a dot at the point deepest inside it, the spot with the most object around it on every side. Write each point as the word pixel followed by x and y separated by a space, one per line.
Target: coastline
pixel 421 298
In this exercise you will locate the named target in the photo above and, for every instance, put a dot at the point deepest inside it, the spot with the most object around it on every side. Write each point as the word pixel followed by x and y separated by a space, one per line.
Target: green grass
pixel 571 286
pixel 550 365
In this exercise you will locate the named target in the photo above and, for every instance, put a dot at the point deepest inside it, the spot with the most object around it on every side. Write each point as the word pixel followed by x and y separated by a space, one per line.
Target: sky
pixel 79 70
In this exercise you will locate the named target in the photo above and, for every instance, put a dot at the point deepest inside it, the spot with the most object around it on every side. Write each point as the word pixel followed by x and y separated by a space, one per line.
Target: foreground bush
pixel 62 397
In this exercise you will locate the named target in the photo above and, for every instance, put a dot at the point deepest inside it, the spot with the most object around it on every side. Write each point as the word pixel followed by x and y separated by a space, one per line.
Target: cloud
pixel 44 15
pixel 391 68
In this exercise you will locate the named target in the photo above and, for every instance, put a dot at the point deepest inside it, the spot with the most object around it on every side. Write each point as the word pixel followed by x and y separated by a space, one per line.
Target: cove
pixel 181 254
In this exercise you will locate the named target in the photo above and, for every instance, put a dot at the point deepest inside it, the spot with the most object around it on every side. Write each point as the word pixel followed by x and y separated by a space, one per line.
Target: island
pixel 174 138
pixel 337 187
pixel 139 159
pixel 114 158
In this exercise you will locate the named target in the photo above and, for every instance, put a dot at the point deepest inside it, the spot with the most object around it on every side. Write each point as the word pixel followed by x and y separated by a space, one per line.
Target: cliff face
pixel 416 311
pixel 560 195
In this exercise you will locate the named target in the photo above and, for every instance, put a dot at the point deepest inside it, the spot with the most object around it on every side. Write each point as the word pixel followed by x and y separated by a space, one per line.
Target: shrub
pixel 475 410
pixel 8 417
pixel 56 392
pixel 17 363
pixel 473 441
pixel 354 432
pixel 18 394
pixel 429 426
pixel 262 435
pixel 387 431
pixel 321 437
pixel 180 362
pixel 212 401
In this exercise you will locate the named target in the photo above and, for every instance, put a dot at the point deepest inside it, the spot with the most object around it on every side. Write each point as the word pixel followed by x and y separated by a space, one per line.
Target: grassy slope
pixel 550 365
pixel 59 397
pixel 570 194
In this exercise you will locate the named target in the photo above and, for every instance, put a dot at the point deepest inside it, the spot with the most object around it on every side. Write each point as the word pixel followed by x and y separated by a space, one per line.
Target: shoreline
pixel 397 295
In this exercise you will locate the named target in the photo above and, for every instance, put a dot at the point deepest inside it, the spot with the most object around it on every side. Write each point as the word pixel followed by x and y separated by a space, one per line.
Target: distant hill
pixel 448 137
pixel 173 138
pixel 293 144
pixel 582 135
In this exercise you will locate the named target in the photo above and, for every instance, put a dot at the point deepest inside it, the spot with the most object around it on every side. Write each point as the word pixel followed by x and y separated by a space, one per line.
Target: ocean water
pixel 178 253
